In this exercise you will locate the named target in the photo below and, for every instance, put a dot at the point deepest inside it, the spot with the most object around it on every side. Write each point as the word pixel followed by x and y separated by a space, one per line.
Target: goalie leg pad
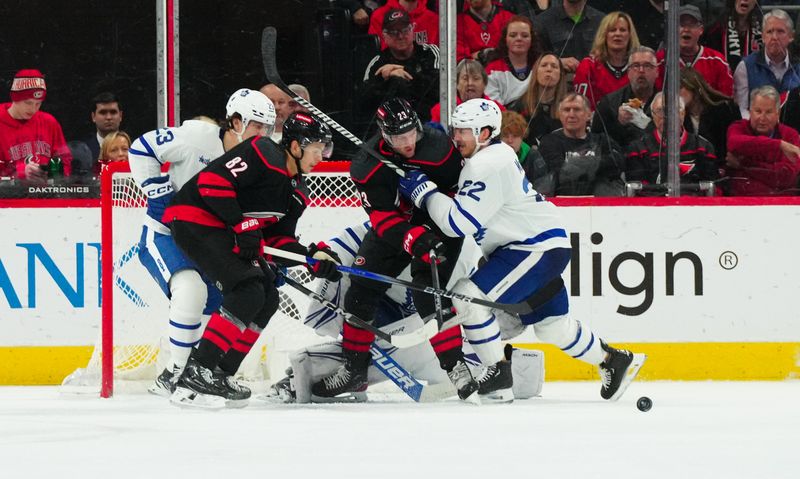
pixel 527 369
pixel 572 337
pixel 188 299
pixel 480 325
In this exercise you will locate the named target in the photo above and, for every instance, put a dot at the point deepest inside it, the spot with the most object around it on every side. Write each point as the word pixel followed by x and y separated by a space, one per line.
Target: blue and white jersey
pixel 498 207
pixel 188 149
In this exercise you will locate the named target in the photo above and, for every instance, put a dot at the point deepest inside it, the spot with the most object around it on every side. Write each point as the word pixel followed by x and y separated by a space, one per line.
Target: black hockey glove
pixel 327 260
pixel 249 243
pixel 419 242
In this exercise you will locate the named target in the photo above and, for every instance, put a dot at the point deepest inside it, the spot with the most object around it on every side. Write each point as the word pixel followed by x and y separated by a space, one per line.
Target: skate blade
pixel 501 396
pixel 474 399
pixel 236 403
pixel 157 390
pixel 630 375
pixel 186 398
pixel 342 398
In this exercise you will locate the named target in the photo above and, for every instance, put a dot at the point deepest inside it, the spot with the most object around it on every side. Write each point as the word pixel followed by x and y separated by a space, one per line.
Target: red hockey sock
pixel 221 332
pixel 356 339
pixel 447 340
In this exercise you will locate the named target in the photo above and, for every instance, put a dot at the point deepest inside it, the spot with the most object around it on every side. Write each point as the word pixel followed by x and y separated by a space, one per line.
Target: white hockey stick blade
pixel 630 375
pixel 437 392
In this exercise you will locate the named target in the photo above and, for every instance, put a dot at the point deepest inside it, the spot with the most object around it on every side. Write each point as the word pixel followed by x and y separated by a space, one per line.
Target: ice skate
pixel 164 384
pixel 618 371
pixel 239 392
pixel 495 383
pixel 199 387
pixel 281 392
pixel 462 379
pixel 342 385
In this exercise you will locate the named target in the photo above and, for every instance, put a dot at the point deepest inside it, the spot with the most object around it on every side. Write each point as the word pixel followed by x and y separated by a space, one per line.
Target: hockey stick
pixel 406 382
pixel 437 298
pixel 399 340
pixel 268 48
pixel 518 308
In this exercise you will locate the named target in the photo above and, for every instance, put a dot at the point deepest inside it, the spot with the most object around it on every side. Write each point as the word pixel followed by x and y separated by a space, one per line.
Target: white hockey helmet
pixel 477 114
pixel 252 105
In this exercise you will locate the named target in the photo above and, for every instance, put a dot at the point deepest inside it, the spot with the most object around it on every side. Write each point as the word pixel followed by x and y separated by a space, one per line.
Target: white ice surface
pixel 695 430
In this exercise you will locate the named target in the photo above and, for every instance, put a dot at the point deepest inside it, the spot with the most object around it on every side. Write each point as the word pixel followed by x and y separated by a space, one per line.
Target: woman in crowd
pixel 509 73
pixel 606 69
pixel 114 148
pixel 471 84
pixel 737 33
pixel 538 105
pixel 708 112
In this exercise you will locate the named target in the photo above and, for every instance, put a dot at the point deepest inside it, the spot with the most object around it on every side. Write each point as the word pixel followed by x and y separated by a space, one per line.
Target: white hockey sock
pixel 484 337
pixel 189 296
pixel 572 337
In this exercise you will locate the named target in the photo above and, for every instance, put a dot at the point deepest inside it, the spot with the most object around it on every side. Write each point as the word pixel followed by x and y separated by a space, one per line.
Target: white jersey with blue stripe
pixel 188 149
pixel 497 206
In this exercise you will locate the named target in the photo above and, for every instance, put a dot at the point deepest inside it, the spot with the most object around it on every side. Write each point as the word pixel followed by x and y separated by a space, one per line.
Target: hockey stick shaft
pixel 437 298
pixel 519 308
pixel 399 340
pixel 268 48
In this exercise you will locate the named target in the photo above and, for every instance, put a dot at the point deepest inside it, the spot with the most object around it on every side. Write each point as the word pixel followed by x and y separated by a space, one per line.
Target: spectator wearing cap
pixel 424 22
pixel 770 65
pixel 480 29
pixel 29 138
pixel 405 69
pixel 107 117
pixel 709 63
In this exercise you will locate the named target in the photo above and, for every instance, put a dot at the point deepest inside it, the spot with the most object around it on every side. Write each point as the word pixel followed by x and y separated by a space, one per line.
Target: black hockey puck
pixel 644 404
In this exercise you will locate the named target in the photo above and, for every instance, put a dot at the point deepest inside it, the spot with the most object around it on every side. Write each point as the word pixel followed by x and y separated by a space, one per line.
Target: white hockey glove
pixel 417 187
pixel 159 193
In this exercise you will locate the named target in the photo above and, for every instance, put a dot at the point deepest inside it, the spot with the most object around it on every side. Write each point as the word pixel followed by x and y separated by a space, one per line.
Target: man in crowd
pixel 568 29
pixel 425 23
pixel 30 139
pixel 578 162
pixel 707 61
pixel 624 114
pixel 763 154
pixel 405 69
pixel 770 66
pixel 107 117
pixel 647 158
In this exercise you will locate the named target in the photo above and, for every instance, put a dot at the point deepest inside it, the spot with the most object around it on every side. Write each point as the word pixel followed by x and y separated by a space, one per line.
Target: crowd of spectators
pixel 579 82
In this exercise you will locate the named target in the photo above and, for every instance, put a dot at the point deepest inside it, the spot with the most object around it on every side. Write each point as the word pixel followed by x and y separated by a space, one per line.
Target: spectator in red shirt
pixel 707 61
pixel 29 138
pixel 763 154
pixel 480 29
pixel 605 70
pixel 425 23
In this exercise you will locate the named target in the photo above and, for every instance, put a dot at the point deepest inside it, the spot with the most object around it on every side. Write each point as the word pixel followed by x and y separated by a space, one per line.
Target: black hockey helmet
pixel 305 128
pixel 395 117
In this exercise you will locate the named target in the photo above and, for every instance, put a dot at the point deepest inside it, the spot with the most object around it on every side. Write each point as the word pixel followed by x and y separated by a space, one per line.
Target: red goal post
pixel 134 311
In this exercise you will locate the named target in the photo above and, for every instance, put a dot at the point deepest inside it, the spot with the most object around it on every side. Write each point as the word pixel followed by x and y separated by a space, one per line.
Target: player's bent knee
pixel 271 304
pixel 362 302
pixel 188 295
pixel 466 287
pixel 557 330
pixel 245 300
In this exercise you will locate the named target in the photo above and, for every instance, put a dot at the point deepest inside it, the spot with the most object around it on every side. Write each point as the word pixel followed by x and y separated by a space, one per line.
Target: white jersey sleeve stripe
pixel 344 246
pixel 149 149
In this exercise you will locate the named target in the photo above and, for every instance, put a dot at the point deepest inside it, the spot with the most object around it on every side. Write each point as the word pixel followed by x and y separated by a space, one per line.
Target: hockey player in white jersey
pixel 187 149
pixel 395 313
pixel 522 237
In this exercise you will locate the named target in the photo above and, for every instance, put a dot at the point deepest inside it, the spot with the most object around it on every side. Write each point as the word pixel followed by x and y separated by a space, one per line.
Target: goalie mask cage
pixel 135 310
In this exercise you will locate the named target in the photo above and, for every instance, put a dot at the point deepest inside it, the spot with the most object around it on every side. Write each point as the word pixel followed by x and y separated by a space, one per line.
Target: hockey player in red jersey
pixel 400 234
pixel 251 196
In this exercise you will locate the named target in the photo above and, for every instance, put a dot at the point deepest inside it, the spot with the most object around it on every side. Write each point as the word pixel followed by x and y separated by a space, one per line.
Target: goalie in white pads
pixel 187 149
pixel 523 239
pixel 395 313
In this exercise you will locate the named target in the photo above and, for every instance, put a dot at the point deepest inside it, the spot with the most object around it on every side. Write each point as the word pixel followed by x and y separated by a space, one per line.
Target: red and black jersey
pixel 392 216
pixel 248 182
pixel 595 79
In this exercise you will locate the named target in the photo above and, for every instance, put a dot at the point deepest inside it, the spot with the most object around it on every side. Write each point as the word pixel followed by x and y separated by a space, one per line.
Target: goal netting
pixel 135 310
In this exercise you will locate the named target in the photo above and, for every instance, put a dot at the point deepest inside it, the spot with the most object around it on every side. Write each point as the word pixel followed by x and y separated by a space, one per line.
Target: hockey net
pixel 135 310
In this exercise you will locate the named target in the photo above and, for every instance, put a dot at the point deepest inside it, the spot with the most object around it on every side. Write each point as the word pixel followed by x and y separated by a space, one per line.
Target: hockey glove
pixel 323 251
pixel 159 193
pixel 417 187
pixel 324 269
pixel 249 242
pixel 419 242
